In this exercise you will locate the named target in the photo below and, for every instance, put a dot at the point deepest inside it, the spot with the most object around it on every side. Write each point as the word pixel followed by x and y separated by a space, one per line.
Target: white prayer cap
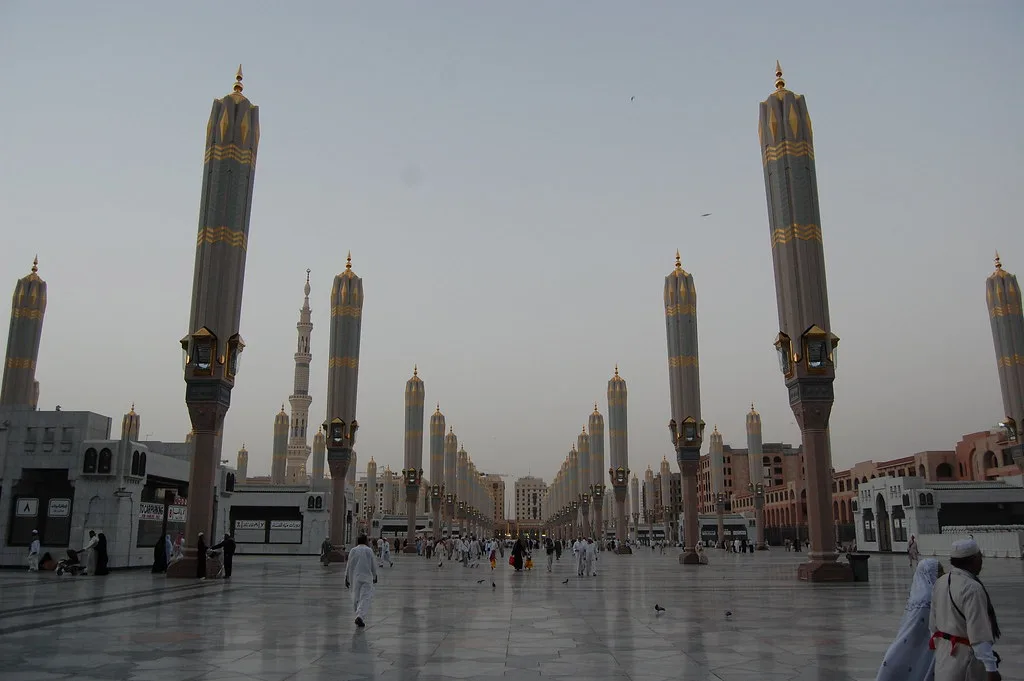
pixel 965 548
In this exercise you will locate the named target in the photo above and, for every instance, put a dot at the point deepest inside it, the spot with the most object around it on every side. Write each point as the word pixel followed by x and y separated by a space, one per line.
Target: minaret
pixel 437 456
pixel 298 445
pixel 342 383
pixel 618 450
pixel 20 388
pixel 649 508
pixel 243 464
pixel 462 487
pixel 574 490
pixel 280 450
pixel 758 482
pixel 213 343
pixel 596 424
pixel 684 393
pixel 634 503
pixel 584 479
pixel 1004 310
pixel 389 491
pixel 805 340
pixel 451 448
pixel 665 474
pixel 371 492
pixel 319 456
pixel 130 425
pixel 716 462
pixel 412 474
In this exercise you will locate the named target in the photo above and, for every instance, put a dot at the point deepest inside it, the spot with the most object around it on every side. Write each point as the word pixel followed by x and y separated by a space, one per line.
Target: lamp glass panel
pixel 202 355
pixel 817 353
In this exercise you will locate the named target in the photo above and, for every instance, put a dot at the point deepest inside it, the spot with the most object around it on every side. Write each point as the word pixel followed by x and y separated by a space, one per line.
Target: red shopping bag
pixel 511 561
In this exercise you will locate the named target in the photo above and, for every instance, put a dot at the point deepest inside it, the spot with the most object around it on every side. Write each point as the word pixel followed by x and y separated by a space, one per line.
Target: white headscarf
pixel 921 589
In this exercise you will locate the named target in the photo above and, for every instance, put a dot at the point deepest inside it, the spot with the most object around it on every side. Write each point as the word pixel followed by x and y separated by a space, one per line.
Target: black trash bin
pixel 859 564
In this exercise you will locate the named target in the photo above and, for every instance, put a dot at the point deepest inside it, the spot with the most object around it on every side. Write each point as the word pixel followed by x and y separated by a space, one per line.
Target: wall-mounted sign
pixel 180 501
pixel 27 507
pixel 286 524
pixel 250 524
pixel 177 514
pixel 151 511
pixel 59 508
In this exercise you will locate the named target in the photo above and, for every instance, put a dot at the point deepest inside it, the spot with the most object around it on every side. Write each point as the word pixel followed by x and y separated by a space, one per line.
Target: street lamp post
pixel 720 500
pixel 341 438
pixel 758 491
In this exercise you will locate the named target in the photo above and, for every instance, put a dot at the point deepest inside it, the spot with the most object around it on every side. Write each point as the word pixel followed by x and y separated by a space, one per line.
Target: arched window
pixel 921 473
pixel 864 480
pixel 135 464
pixel 856 484
pixel 922 500
pixel 91 459
pixel 142 464
pixel 835 487
pixel 835 511
pixel 988 460
pixel 106 462
pixel 309 504
pixel 944 471
pixel 931 501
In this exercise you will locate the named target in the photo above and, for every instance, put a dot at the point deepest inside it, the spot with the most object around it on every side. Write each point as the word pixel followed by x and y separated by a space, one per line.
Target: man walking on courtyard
pixel 963 621
pixel 360 576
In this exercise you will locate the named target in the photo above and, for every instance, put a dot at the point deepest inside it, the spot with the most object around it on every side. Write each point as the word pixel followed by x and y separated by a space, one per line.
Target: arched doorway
pixel 945 472
pixel 884 528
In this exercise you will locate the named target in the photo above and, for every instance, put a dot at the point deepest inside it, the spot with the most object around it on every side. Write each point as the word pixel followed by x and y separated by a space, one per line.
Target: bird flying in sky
pixel 704 215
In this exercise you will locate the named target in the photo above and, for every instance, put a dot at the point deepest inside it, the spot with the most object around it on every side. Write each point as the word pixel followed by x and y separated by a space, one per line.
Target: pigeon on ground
pixel 480 581
pixel 658 608
pixel 493 585
pixel 566 581
pixel 632 98
pixel 728 614
pixel 438 563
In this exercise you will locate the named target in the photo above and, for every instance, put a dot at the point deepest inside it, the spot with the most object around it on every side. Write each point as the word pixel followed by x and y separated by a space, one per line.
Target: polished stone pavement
pixel 288 618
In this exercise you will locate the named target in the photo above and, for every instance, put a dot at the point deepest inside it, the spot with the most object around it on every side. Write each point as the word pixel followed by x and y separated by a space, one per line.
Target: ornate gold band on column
pixel 343 362
pixel 1010 360
pixel 784 235
pixel 20 363
pixel 682 361
pixel 26 313
pixel 1005 310
pixel 775 152
pixel 226 235
pixel 229 152
pixel 673 310
pixel 346 311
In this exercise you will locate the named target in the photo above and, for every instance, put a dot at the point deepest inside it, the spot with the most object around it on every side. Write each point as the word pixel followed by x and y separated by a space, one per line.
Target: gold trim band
pixel 1005 310
pixel 346 311
pixel 1010 360
pixel 229 152
pixel 682 361
pixel 26 313
pixel 20 363
pixel 343 363
pixel 673 310
pixel 787 148
pixel 226 235
pixel 784 235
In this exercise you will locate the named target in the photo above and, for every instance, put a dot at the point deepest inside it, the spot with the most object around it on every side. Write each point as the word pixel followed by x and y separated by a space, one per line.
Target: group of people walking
pixel 949 625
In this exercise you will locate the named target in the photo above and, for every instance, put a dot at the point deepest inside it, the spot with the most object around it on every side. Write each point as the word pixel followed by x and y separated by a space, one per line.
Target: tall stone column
pixel 342 386
pixel 451 463
pixel 618 450
pixel 716 459
pixel 413 471
pixel 279 453
pixel 583 480
pixel 634 502
pixel 596 424
pixel 1002 294
pixel 437 455
pixel 755 454
pixel 28 305
pixel 805 341
pixel 649 511
pixel 388 507
pixel 319 457
pixel 214 344
pixel 684 390
pixel 371 494
pixel 574 491
pixel 665 478
pixel 462 489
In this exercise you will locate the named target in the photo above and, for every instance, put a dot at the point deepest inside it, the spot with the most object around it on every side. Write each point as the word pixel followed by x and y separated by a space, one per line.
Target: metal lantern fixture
pixel 200 352
pixel 784 348
pixel 1011 429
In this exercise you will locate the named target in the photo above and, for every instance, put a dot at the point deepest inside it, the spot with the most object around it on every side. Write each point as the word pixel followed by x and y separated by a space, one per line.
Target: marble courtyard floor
pixel 288 618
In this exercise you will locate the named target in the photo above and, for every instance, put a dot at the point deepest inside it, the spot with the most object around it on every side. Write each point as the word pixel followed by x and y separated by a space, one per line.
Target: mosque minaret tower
pixel 412 474
pixel 298 445
pixel 618 451
pixel 596 424
pixel 437 437
pixel 755 464
pixel 1002 293
pixel 319 456
pixel 279 452
pixel 242 464
pixel 20 388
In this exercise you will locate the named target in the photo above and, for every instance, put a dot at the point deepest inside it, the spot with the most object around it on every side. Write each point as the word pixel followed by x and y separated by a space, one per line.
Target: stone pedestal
pixel 824 571
pixel 689 557
pixel 623 550
pixel 185 568
pixel 337 556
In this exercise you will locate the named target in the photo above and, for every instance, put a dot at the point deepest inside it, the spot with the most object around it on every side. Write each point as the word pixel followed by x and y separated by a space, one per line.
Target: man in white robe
pixel 963 621
pixel 89 553
pixel 591 558
pixel 360 576
pixel 384 546
pixel 579 549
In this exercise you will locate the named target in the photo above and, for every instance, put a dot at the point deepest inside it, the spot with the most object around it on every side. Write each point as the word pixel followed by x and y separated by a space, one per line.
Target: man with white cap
pixel 963 621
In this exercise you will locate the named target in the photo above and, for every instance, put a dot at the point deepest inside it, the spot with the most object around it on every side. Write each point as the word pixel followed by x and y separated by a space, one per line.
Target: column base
pixel 338 556
pixel 762 547
pixel 411 548
pixel 624 551
pixel 824 571
pixel 690 558
pixel 185 568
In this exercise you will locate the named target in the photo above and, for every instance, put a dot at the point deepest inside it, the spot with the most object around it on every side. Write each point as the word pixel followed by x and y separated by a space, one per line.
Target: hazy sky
pixel 513 211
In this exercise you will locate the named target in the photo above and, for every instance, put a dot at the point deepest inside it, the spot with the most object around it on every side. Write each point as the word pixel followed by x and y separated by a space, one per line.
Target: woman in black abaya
pixel 517 554
pixel 101 556
pixel 201 557
pixel 160 555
